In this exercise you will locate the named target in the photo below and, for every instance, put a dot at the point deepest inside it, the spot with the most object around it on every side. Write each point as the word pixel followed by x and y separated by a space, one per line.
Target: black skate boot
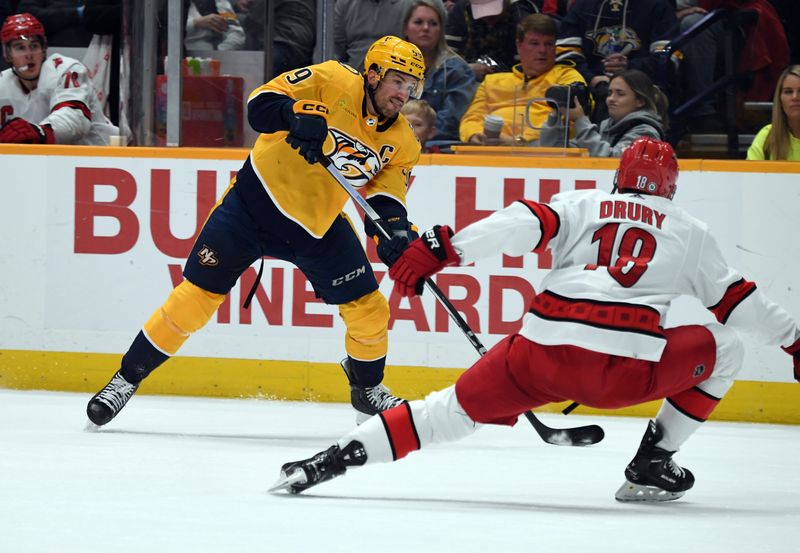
pixel 369 400
pixel 653 475
pixel 109 401
pixel 326 465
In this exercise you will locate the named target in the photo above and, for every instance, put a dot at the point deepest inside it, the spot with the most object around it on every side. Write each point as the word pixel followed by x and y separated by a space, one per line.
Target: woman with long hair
pixel 780 140
pixel 636 108
pixel 449 82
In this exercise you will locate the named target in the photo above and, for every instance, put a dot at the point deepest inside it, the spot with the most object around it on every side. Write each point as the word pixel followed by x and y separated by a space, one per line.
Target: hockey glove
pixel 794 351
pixel 20 131
pixel 308 129
pixel 401 233
pixel 424 257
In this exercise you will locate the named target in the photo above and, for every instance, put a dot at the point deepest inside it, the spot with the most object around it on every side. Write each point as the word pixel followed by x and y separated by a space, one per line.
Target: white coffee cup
pixel 492 125
pixel 116 140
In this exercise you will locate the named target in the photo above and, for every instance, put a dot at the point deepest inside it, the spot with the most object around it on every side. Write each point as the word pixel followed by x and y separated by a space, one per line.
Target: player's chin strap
pixel 578 436
pixel 371 94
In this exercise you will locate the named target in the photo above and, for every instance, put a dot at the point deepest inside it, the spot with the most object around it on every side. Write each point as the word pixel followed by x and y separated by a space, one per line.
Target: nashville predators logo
pixel 614 40
pixel 208 257
pixel 355 161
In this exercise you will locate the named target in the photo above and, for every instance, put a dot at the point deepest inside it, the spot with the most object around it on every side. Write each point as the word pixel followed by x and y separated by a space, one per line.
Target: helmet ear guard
pixel 648 166
pixel 393 53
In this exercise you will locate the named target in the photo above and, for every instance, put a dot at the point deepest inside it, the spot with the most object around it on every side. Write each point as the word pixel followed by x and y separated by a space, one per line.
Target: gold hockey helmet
pixel 391 52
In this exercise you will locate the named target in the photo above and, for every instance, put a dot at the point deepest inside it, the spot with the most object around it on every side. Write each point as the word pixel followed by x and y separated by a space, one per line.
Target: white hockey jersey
pixel 64 98
pixel 618 262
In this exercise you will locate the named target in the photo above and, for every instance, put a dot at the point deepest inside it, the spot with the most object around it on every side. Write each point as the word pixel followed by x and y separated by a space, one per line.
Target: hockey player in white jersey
pixel 46 99
pixel 593 334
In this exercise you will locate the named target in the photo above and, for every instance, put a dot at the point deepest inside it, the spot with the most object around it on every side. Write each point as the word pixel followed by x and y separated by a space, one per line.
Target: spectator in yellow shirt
pixel 508 95
pixel 781 139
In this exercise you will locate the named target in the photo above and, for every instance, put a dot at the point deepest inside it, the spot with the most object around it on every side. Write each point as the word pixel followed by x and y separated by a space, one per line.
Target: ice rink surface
pixel 190 475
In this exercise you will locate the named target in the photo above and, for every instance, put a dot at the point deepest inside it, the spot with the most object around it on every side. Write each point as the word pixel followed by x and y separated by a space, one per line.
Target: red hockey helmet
pixel 22 25
pixel 648 166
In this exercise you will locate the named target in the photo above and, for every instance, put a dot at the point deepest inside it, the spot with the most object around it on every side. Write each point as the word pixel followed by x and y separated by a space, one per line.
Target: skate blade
pixel 286 481
pixel 631 493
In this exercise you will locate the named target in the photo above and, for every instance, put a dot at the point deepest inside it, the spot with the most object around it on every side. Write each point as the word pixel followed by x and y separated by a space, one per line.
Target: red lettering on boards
pixel 88 210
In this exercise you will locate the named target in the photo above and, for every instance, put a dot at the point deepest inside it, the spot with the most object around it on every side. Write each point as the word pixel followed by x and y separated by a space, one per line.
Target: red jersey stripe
pixel 74 104
pixel 734 295
pixel 794 348
pixel 548 220
pixel 694 403
pixel 402 434
pixel 611 315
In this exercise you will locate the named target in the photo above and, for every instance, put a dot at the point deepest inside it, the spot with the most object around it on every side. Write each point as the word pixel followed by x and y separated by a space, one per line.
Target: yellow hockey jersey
pixel 371 153
pixel 507 95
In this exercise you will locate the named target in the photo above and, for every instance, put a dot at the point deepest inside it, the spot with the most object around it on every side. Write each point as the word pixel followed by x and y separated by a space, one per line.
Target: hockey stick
pixel 577 436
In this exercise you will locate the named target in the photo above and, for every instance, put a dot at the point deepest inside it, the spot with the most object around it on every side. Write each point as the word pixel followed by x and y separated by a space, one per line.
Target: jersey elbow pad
pixel 70 121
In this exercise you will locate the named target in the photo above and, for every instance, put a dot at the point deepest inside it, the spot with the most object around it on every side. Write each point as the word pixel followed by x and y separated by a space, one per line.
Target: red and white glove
pixel 20 131
pixel 794 351
pixel 425 256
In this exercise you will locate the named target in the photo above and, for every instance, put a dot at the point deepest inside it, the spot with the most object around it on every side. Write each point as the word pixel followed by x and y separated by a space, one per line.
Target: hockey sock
pixel 396 432
pixel 141 359
pixel 676 426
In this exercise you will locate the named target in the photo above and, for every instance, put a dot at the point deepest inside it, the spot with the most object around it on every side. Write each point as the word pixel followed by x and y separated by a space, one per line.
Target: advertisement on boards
pixel 95 244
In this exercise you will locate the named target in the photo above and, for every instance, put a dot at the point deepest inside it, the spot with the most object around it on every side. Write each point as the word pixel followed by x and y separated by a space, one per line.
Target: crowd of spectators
pixel 500 57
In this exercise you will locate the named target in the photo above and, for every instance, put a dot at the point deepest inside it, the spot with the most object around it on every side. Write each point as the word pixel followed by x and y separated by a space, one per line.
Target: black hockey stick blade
pixel 575 436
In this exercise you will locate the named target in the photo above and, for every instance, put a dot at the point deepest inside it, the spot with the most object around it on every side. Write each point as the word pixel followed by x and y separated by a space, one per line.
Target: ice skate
pixel 109 401
pixel 369 400
pixel 653 475
pixel 326 465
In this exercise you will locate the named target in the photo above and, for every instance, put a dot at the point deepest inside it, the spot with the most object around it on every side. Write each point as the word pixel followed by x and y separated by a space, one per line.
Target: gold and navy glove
pixel 20 131
pixel 401 234
pixel 308 129
pixel 425 256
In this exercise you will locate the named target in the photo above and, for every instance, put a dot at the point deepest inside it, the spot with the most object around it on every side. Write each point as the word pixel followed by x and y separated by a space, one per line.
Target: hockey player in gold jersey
pixel 284 204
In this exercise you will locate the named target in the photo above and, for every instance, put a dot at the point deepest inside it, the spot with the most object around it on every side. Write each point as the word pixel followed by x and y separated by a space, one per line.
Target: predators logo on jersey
pixel 615 40
pixel 355 161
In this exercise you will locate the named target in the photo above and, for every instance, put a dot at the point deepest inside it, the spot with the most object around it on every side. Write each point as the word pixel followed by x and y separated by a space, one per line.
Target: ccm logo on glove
pixel 308 129
pixel 311 108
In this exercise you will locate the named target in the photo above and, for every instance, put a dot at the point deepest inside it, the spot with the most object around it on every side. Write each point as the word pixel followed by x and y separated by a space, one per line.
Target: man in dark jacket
pixel 604 37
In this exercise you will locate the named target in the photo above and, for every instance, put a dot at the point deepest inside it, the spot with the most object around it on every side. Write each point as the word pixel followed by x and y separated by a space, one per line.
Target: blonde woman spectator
pixel 636 108
pixel 449 81
pixel 422 118
pixel 780 140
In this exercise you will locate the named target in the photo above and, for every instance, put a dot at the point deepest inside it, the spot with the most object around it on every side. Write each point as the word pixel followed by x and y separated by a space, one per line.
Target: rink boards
pixel 95 238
